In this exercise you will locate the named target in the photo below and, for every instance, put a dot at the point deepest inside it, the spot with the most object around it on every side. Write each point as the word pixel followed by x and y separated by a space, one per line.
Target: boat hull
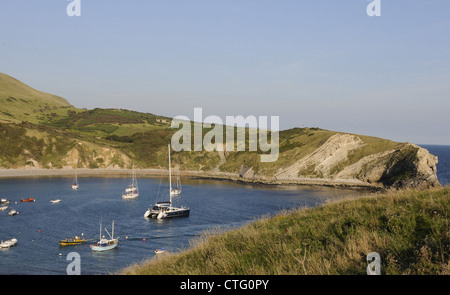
pixel 28 200
pixel 8 244
pixel 130 196
pixel 99 248
pixel 180 212
pixel 72 242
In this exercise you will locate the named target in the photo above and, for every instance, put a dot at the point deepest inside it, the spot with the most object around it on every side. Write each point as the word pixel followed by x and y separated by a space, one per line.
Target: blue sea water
pixel 443 167
pixel 40 225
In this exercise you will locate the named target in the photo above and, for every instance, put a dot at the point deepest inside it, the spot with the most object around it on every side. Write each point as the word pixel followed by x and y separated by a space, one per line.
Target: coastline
pixel 234 177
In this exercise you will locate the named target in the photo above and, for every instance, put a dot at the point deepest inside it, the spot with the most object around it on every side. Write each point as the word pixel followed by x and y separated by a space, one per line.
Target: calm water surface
pixel 40 225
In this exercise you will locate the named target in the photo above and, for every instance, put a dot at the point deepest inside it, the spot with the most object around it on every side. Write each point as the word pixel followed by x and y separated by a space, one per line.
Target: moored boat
pixel 162 210
pixel 8 243
pixel 4 201
pixel 160 250
pixel 13 212
pixel 132 191
pixel 72 241
pixel 28 200
pixel 75 184
pixel 3 208
pixel 55 201
pixel 104 244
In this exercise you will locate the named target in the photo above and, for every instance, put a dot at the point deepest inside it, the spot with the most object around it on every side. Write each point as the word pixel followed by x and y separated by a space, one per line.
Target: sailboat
pixel 104 244
pixel 132 191
pixel 75 184
pixel 165 209
pixel 176 191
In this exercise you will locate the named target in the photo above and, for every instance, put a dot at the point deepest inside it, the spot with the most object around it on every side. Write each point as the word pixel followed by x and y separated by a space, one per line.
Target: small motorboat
pixel 4 201
pixel 55 201
pixel 8 243
pixel 3 208
pixel 13 212
pixel 28 200
pixel 160 250
pixel 73 241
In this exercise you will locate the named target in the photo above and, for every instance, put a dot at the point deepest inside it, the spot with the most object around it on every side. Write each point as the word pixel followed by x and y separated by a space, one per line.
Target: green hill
pixel 48 132
pixel 409 229
pixel 20 102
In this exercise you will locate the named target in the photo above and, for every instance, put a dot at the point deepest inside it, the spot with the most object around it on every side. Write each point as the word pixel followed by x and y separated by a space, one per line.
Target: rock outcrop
pixel 406 166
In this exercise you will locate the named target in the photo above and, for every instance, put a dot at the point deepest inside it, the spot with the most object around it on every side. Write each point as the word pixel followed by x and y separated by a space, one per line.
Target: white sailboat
pixel 132 191
pixel 75 184
pixel 176 191
pixel 165 209
pixel 104 244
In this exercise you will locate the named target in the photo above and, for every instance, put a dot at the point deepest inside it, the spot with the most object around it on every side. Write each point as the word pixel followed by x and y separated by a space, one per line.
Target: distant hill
pixel 20 102
pixel 41 130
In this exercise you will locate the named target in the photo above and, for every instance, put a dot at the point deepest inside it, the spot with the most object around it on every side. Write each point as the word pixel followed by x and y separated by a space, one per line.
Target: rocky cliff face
pixel 408 166
pixel 405 166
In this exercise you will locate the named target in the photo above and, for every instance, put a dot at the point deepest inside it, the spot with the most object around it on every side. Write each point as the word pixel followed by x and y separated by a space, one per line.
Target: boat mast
pixel 100 229
pixel 112 238
pixel 76 174
pixel 134 178
pixel 170 177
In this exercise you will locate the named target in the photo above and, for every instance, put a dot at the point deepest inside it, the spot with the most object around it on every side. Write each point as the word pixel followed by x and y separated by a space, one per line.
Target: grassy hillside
pixel 409 229
pixel 118 137
pixel 20 102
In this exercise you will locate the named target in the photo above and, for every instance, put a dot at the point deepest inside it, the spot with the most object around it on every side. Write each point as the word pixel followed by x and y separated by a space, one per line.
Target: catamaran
pixel 132 191
pixel 104 244
pixel 165 209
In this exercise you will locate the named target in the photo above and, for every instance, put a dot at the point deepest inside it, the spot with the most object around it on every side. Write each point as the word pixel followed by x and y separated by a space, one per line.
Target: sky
pixel 324 64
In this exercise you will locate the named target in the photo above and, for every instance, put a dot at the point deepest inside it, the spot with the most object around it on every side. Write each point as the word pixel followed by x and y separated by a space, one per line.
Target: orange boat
pixel 28 200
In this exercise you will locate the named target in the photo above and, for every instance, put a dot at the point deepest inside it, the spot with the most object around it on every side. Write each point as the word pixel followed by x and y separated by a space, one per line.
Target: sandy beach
pixel 112 172
pixel 7 173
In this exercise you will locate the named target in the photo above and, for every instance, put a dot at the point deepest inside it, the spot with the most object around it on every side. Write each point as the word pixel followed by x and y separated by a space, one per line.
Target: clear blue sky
pixel 318 63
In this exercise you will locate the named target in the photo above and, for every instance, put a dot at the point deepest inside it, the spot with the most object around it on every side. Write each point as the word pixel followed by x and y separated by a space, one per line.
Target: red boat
pixel 28 200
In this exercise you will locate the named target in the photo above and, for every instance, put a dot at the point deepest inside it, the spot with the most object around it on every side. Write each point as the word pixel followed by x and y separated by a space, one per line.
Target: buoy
pixel 143 239
pixel 39 230
pixel 60 254
pixel 126 237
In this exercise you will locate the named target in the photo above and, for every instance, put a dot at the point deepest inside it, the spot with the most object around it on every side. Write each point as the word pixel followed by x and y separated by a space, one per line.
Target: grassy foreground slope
pixel 409 229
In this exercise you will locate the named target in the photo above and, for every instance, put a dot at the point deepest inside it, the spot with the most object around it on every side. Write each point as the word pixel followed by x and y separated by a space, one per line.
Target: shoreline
pixel 111 172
